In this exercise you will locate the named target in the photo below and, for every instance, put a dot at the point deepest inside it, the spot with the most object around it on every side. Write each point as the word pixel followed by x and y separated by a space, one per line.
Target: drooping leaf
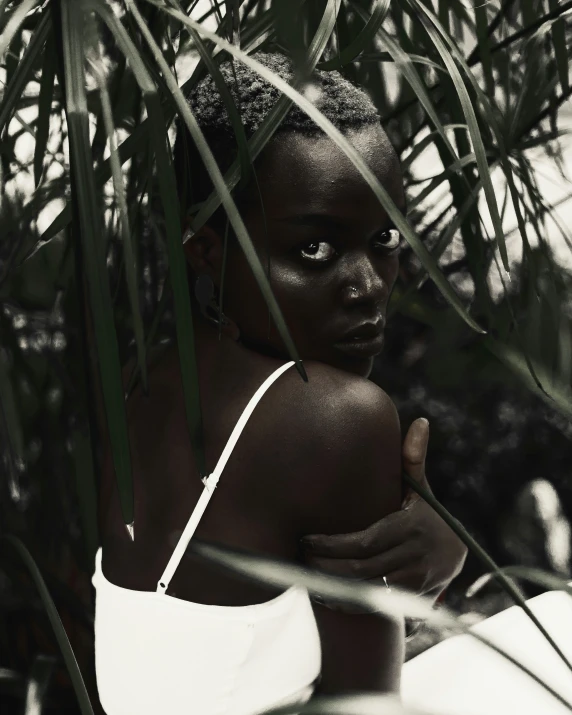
pixel 39 679
pixel 483 41
pixel 425 143
pixel 272 121
pixel 537 576
pixel 56 623
pixel 356 158
pixel 508 585
pixel 394 603
pixel 17 18
pixel 560 48
pixel 44 109
pixel 120 198
pixel 90 235
pixel 433 29
pixel 24 69
pixel 9 409
pixel 218 182
pixel 230 106
pixel 378 14
pixel 177 264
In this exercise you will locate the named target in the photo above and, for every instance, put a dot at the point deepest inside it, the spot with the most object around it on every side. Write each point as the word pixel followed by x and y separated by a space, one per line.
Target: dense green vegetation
pixel 92 270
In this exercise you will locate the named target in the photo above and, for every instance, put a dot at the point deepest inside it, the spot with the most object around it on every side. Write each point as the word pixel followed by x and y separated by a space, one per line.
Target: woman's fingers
pixel 385 534
pixel 374 567
pixel 414 450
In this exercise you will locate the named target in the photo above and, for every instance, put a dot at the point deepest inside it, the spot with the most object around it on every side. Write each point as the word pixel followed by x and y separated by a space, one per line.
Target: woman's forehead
pixel 312 169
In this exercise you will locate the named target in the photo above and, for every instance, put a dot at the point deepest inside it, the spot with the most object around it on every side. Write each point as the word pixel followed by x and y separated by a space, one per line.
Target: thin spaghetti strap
pixel 211 481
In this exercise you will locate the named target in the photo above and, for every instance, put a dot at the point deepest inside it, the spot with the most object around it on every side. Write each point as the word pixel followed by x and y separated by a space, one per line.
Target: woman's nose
pixel 365 284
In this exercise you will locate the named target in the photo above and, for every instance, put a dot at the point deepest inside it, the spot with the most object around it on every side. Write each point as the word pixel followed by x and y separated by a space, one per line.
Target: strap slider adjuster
pixel 210 482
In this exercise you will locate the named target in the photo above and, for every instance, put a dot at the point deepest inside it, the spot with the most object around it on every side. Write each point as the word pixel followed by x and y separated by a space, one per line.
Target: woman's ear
pixel 204 251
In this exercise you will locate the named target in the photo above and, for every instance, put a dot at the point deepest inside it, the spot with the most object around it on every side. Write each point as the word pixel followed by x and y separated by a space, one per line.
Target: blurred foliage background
pixel 79 265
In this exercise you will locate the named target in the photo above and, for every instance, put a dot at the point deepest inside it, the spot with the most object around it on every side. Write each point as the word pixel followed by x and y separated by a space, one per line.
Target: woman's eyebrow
pixel 316 220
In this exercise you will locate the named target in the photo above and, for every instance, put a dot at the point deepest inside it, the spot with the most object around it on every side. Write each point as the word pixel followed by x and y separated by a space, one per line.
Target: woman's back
pixel 249 509
pixel 270 493
pixel 271 490
pixel 155 652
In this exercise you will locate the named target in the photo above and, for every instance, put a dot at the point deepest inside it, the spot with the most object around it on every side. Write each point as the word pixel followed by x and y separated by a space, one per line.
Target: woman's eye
pixel 318 251
pixel 388 240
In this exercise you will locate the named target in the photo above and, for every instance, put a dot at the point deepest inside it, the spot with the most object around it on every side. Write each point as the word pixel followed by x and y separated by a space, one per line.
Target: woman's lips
pixel 361 347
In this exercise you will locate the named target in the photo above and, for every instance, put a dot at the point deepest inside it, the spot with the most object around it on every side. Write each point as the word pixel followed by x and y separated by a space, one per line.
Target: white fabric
pixel 155 653
pixel 461 676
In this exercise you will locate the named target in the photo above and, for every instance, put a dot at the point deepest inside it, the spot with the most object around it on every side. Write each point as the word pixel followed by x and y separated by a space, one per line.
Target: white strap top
pixel 158 653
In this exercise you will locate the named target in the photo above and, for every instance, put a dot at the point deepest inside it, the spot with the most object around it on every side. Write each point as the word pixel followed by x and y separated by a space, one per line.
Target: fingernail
pixel 318 599
pixel 307 544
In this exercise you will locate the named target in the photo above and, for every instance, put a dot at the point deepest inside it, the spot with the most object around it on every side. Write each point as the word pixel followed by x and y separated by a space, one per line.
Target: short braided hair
pixel 344 104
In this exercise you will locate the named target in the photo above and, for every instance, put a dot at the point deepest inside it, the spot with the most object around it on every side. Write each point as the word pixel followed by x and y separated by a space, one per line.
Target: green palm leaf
pixel 508 585
pixel 44 108
pixel 55 622
pixel 128 248
pixel 90 235
pixel 334 134
pixel 177 264
pixel 17 18
pixel 361 595
pixel 349 53
pixel 434 29
pixel 24 69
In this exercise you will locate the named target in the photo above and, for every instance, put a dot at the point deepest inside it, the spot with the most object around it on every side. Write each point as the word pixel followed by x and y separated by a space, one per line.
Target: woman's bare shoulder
pixel 345 433
pixel 334 397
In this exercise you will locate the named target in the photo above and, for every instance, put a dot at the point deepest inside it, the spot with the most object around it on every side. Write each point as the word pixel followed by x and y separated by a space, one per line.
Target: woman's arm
pixel 413 546
pixel 361 458
pixel 360 652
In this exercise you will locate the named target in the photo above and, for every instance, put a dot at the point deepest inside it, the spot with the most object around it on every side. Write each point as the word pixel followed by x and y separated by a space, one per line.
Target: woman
pixel 174 634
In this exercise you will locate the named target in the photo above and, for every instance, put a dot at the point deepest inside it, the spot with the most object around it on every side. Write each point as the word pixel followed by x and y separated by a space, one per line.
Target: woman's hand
pixel 413 548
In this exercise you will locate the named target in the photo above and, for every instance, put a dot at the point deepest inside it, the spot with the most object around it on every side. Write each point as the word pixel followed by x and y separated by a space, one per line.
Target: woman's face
pixel 329 247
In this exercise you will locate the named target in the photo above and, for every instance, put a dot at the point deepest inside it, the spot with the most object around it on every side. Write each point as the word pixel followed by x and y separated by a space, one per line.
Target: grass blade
pixel 24 69
pixel 56 623
pixel 507 168
pixel 139 136
pixel 13 25
pixel 365 37
pixel 537 576
pixel 426 142
pixel 334 134
pixel 229 103
pixel 9 409
pixel 90 235
pixel 440 247
pixel 269 126
pixel 436 181
pixel 218 182
pixel 364 596
pixel 555 394
pixel 433 29
pixel 508 585
pixel 44 109
pixel 129 251
pixel 560 49
pixel 177 263
pixel 386 57
pixel 483 42
pixel 38 684
pixel 257 142
pixel 404 63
